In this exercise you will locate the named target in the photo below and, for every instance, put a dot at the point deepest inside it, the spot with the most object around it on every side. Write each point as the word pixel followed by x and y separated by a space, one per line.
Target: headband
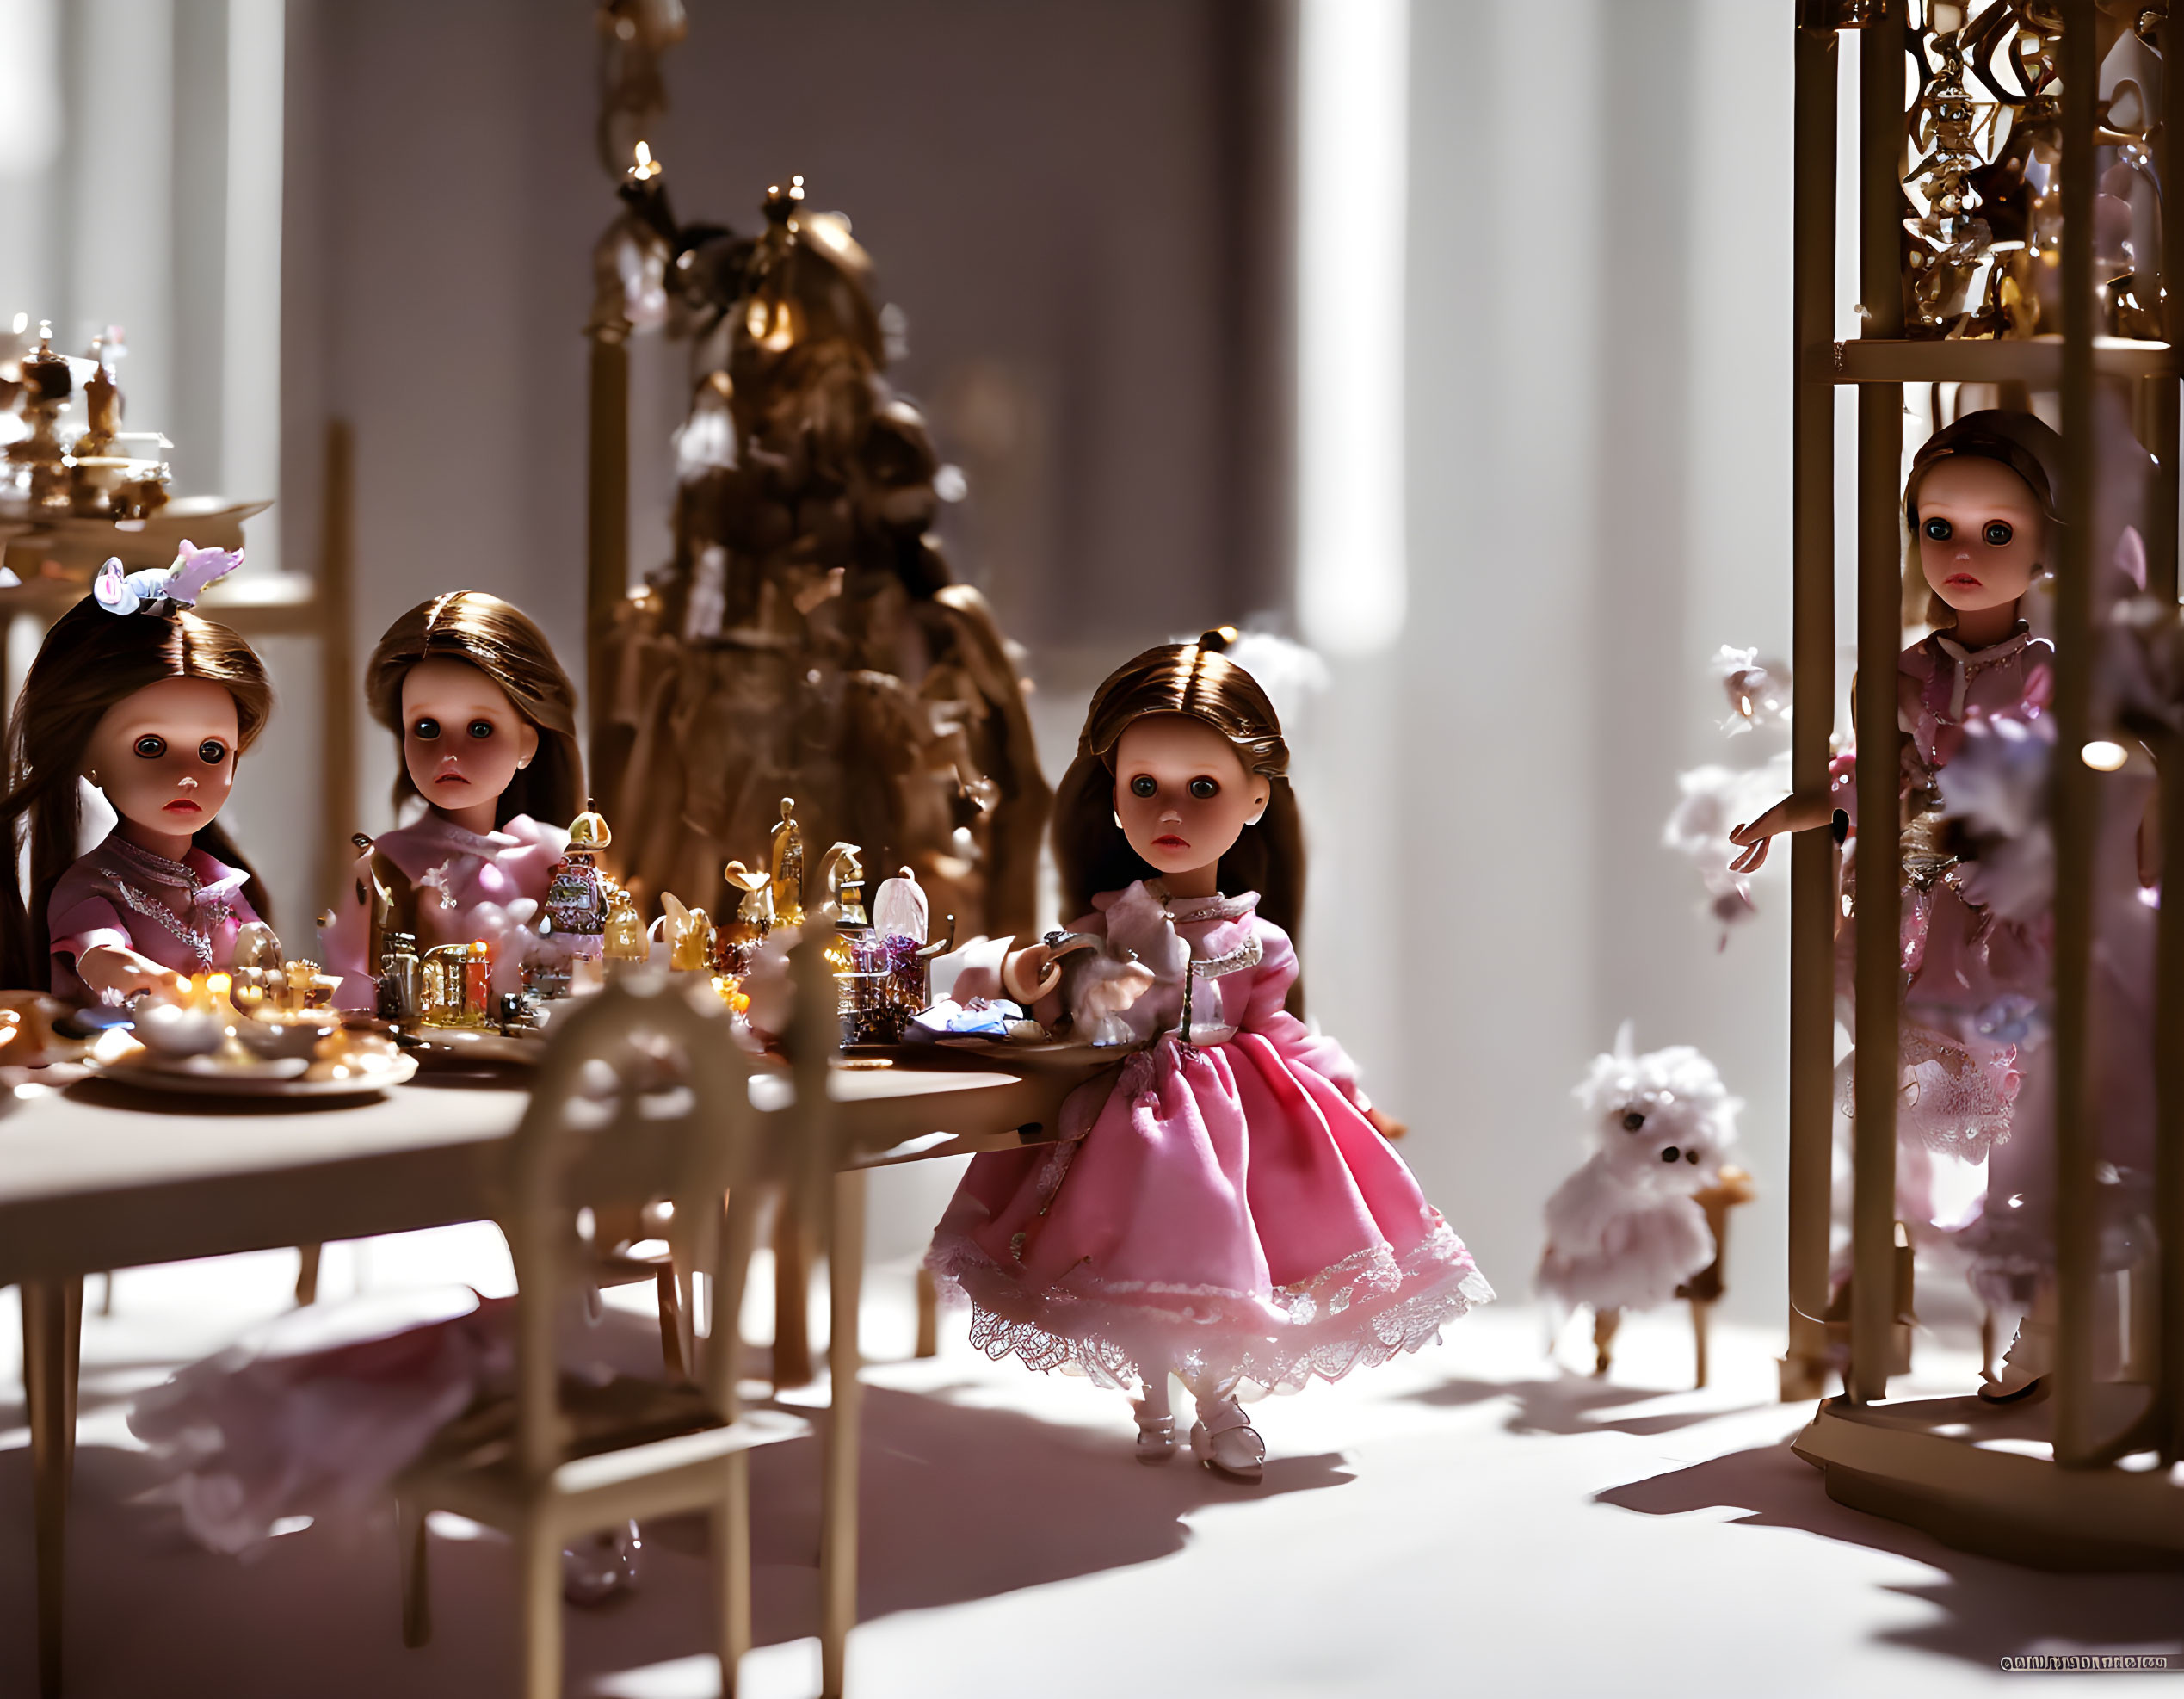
pixel 194 571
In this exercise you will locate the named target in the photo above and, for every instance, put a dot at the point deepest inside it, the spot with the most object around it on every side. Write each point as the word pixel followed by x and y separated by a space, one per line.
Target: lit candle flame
pixel 646 167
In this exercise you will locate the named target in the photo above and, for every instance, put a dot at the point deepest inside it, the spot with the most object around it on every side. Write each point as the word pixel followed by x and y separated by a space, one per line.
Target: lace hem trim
pixel 1362 1312
pixel 1957 1100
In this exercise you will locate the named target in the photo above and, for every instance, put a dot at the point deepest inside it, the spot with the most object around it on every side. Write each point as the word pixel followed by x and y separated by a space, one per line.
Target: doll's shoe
pixel 599 1567
pixel 1157 1441
pixel 1224 1440
pixel 2024 1377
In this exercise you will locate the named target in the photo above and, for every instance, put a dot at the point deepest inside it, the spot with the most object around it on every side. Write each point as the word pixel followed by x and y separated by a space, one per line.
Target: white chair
pixel 563 1458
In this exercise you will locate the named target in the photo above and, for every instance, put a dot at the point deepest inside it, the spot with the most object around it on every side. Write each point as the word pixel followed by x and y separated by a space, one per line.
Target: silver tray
pixel 270 1079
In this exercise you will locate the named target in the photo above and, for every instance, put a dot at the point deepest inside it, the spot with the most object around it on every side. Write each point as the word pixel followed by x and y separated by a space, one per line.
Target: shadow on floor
pixel 1989 1610
pixel 1568 1404
pixel 958 1504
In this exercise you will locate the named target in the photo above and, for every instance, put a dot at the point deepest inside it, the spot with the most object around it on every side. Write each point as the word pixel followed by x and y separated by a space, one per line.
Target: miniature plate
pixel 1049 1054
pixel 205 1077
pixel 468 1046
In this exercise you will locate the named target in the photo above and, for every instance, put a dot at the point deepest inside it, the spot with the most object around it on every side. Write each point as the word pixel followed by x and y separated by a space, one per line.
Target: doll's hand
pixel 119 972
pixel 1791 813
pixel 1386 1125
pixel 1755 837
pixel 1115 990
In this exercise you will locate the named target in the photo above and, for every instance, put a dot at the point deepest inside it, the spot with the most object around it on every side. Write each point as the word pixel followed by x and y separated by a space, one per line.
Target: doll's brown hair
pixel 501 641
pixel 2021 442
pixel 1199 680
pixel 90 661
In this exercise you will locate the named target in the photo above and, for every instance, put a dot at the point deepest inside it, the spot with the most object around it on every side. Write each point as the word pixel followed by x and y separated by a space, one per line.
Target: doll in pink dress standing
pixel 1225 1206
pixel 134 692
pixel 485 720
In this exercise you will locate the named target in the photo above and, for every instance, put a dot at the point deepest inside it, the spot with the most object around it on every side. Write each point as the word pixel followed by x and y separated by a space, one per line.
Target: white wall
pixel 1598 462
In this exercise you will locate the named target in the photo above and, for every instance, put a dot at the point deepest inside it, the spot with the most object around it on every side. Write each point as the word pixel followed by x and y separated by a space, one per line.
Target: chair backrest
pixel 593 1133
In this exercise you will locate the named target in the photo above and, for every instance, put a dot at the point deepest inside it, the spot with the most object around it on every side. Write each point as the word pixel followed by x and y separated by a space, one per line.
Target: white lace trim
pixel 1956 1100
pixel 1360 1312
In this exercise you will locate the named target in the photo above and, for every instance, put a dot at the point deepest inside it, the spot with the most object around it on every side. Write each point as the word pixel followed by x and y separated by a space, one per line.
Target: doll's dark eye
pixel 1205 789
pixel 212 751
pixel 1691 1156
pixel 1998 533
pixel 152 748
pixel 1939 530
pixel 1632 1121
pixel 481 728
pixel 1144 785
pixel 427 729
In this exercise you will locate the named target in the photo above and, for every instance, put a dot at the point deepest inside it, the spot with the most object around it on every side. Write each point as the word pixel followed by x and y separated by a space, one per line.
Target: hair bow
pixel 181 583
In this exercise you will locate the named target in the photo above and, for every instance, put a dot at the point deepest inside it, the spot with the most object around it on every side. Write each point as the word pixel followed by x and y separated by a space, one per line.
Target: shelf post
pixel 1880 636
pixel 1813 878
pixel 2073 800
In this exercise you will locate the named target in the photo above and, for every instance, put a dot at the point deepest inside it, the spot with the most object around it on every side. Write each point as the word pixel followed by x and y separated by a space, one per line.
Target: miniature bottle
pixel 788 866
pixel 689 935
pixel 477 984
pixel 440 1001
pixel 576 903
pixel 625 933
pixel 735 939
pixel 399 977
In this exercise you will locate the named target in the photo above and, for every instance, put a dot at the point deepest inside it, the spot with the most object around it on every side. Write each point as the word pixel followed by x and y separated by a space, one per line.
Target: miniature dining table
pixel 98 1177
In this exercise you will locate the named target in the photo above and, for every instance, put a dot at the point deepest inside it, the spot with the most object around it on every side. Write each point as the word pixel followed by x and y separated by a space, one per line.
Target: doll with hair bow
pixel 135 693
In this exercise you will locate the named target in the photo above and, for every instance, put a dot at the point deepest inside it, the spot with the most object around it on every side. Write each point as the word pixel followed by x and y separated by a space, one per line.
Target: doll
pixel 134 692
pixel 1980 502
pixel 1226 1206
pixel 486 722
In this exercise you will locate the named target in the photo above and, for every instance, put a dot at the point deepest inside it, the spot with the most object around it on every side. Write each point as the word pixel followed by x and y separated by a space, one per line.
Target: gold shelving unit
pixel 2093 1476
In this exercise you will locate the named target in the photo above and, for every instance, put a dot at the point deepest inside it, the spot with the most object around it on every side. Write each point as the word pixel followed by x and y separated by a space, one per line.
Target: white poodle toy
pixel 1639 1224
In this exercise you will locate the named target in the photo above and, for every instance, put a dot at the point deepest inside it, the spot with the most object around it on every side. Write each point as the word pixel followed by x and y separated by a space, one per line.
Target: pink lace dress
pixel 1219 1207
pixel 1977 1058
pixel 1966 971
pixel 183 915
pixel 468 886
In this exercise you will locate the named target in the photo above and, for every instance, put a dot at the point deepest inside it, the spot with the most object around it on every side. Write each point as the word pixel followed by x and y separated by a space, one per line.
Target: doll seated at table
pixel 485 720
pixel 134 692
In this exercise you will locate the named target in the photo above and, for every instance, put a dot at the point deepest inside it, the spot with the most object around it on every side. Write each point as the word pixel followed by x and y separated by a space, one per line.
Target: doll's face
pixel 462 739
pixel 1981 533
pixel 165 754
pixel 1181 793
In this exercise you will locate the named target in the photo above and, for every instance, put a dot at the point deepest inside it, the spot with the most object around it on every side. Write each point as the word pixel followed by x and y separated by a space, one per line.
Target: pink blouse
pixel 183 915
pixel 468 887
pixel 1939 685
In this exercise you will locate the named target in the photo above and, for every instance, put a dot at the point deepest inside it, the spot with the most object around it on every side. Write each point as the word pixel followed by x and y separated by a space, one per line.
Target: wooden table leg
pixel 306 1274
pixel 52 1322
pixel 928 1314
pixel 792 1300
pixel 838 1496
